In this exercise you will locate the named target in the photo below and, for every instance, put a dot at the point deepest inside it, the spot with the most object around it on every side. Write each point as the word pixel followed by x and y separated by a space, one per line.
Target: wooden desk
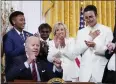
pixel 35 82
pixel 51 83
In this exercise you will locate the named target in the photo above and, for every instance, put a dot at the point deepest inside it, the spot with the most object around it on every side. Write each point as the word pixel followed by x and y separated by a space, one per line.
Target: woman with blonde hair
pixel 61 47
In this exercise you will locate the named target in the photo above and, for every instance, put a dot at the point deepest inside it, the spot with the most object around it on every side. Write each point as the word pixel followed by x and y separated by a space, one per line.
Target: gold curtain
pixel 68 12
pixel 46 5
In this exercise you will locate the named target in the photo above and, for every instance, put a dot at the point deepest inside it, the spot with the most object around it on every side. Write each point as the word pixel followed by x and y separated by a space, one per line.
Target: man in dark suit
pixel 26 67
pixel 110 69
pixel 14 40
pixel 44 30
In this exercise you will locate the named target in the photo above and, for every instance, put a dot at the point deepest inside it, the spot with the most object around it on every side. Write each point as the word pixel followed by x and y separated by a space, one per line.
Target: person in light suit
pixel 90 43
pixel 61 47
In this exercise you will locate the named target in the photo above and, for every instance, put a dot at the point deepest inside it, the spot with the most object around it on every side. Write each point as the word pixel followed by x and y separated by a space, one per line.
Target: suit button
pixel 20 69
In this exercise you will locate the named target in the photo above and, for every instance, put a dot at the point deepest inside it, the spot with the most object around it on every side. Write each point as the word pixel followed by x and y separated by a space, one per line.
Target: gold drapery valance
pixel 68 12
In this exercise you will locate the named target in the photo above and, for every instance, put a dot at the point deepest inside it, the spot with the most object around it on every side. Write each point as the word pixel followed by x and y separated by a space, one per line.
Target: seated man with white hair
pixel 26 67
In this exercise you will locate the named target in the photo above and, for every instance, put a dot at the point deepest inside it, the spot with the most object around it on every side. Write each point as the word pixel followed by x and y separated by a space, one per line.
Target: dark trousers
pixel 109 77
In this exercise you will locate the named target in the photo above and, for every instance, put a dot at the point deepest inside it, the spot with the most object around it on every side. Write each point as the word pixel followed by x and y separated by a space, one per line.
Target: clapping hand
pixel 56 41
pixel 59 41
pixel 90 43
pixel 57 63
pixel 111 46
pixel 37 34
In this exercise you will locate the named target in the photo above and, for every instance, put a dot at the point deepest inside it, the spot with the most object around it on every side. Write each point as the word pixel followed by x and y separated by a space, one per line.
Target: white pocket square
pixel 43 70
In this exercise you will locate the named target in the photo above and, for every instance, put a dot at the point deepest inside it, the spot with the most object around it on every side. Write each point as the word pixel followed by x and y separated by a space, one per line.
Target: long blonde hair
pixel 59 24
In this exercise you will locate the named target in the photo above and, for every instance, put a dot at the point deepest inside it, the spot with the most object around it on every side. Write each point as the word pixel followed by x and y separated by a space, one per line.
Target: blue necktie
pixel 22 37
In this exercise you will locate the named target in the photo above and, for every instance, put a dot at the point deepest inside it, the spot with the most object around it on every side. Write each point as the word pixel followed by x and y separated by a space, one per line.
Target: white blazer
pixel 70 69
pixel 93 61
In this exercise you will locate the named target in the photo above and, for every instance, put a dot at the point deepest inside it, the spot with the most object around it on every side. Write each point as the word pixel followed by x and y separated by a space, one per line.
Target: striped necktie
pixel 22 37
pixel 34 72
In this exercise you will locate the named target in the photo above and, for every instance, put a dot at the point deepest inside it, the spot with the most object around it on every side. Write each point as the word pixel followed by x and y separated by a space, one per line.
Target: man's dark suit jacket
pixel 17 70
pixel 110 76
pixel 13 45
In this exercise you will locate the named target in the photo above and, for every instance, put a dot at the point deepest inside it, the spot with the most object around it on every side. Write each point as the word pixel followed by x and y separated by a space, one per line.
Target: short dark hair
pixel 45 25
pixel 91 8
pixel 13 15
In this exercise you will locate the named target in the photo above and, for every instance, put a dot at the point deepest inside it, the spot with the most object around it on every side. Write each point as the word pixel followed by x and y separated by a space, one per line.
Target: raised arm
pixel 80 46
pixel 52 51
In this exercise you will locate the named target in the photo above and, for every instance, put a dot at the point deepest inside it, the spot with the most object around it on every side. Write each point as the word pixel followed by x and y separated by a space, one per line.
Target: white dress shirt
pixel 20 33
pixel 45 40
pixel 38 75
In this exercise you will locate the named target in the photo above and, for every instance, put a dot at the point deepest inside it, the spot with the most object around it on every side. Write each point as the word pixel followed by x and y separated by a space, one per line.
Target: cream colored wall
pixel 31 9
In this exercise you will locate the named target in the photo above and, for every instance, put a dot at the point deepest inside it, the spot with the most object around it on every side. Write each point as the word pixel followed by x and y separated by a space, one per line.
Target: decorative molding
pixel 6 9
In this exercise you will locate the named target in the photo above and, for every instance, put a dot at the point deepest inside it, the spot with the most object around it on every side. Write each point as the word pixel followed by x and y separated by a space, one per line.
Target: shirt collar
pixel 93 28
pixel 18 31
pixel 44 40
pixel 28 56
